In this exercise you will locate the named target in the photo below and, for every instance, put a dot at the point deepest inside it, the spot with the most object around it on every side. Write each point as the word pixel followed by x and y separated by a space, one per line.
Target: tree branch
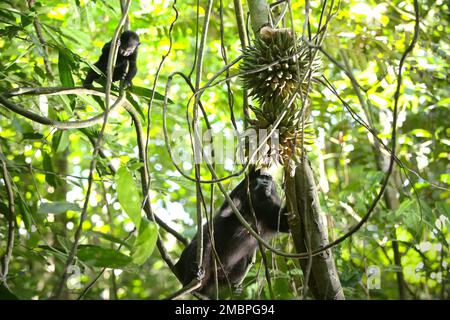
pixel 10 216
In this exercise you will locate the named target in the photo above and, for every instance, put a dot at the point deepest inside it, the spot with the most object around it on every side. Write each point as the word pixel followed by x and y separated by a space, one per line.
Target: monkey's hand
pixel 126 81
pixel 238 288
pixel 88 85
pixel 127 84
pixel 199 273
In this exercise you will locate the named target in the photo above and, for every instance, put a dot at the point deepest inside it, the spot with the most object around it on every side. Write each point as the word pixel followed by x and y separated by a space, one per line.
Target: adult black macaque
pixel 127 55
pixel 235 246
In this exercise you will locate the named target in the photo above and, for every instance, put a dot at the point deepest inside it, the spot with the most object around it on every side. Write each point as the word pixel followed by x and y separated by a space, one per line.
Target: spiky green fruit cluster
pixel 275 69
pixel 269 67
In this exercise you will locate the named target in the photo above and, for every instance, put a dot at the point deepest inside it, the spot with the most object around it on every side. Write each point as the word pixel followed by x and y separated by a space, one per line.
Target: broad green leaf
pixel 415 216
pixel 147 93
pixel 21 127
pixel 89 100
pixel 26 20
pixel 97 256
pixel 65 73
pixel 444 102
pixel 128 195
pixel 136 166
pixel 109 237
pixel 443 208
pixel 145 241
pixel 32 136
pixel 57 207
pixel 135 104
pixel 51 179
pixel 421 133
pixel 60 141
pixel 66 101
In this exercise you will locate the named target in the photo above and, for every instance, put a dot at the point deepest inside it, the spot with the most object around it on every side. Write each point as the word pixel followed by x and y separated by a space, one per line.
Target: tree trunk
pixel 309 231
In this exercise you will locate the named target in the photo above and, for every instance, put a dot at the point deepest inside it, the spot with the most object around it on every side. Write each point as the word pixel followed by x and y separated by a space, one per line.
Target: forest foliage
pixel 53 43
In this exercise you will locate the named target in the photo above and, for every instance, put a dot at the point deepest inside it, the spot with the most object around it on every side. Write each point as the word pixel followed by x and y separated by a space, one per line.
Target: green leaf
pixel 40 72
pixel 25 213
pixel 66 101
pixel 145 241
pixel 415 216
pixel 60 141
pixel 136 105
pixel 443 208
pixel 32 136
pixel 109 237
pixel 421 133
pixel 51 179
pixel 136 166
pixel 65 72
pixel 57 207
pixel 20 126
pixel 147 93
pixel 128 195
pixel 97 256
pixel 6 294
pixel 4 209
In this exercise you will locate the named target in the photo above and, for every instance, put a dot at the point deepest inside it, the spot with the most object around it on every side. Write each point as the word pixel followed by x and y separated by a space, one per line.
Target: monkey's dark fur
pixel 128 50
pixel 235 246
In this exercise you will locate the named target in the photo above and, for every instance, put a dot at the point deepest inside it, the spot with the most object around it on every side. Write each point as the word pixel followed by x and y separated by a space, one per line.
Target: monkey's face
pixel 263 186
pixel 127 49
pixel 128 43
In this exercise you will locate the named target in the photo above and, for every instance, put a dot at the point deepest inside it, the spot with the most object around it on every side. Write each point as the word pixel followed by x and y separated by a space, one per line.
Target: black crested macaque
pixel 235 246
pixel 127 55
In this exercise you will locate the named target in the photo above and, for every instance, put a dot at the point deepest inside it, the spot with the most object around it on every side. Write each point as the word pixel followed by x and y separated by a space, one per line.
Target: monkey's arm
pixel 91 76
pixel 284 225
pixel 277 219
pixel 100 64
pixel 185 266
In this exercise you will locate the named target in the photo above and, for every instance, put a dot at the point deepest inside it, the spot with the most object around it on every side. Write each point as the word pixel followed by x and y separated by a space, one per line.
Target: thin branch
pixel 10 216
pixel 198 76
pixel 239 12
pixel 111 62
pixel 42 42
pixel 146 191
pixel 119 101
